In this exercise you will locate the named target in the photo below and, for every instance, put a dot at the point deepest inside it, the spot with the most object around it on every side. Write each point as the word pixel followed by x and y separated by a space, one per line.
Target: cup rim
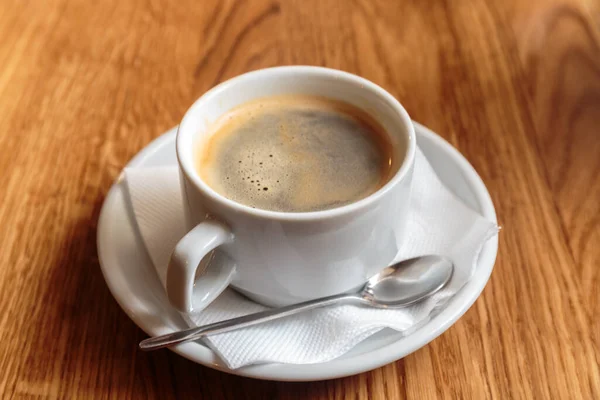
pixel 353 207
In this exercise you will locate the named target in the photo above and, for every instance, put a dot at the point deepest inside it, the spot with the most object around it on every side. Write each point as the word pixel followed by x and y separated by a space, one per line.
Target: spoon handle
pixel 229 325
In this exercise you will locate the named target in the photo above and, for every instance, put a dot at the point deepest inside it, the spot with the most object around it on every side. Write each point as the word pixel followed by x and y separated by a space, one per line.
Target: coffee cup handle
pixel 185 260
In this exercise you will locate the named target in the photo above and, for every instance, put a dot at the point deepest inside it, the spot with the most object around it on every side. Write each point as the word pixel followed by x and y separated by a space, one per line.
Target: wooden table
pixel 515 86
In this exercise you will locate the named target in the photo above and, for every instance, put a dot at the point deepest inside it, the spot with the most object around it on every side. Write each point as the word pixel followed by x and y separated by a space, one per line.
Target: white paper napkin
pixel 439 223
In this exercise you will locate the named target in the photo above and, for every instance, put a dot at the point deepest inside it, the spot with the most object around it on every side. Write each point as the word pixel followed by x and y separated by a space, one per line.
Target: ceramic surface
pixel 279 258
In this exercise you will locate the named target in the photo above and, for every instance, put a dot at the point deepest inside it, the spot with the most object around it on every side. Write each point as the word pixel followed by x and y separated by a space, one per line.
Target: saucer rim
pixel 342 366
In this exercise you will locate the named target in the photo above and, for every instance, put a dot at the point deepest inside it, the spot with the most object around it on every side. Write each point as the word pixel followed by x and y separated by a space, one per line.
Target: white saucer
pixel 133 282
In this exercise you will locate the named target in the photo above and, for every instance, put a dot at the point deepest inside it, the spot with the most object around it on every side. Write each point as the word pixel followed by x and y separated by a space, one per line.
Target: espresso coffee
pixel 295 154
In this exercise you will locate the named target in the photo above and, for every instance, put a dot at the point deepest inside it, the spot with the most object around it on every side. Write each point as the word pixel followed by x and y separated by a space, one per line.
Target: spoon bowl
pixel 408 281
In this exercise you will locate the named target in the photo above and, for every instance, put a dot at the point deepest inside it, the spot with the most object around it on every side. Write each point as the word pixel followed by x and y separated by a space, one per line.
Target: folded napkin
pixel 439 223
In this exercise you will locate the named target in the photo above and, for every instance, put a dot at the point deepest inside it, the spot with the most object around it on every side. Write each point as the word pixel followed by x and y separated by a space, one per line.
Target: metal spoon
pixel 396 286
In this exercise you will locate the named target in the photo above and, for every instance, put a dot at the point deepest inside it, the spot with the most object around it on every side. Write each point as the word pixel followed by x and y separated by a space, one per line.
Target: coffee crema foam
pixel 295 154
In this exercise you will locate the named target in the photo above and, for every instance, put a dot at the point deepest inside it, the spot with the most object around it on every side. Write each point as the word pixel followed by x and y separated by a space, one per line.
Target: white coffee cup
pixel 279 258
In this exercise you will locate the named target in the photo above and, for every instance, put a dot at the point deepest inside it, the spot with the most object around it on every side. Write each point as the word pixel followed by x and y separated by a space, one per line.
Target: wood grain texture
pixel 515 86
